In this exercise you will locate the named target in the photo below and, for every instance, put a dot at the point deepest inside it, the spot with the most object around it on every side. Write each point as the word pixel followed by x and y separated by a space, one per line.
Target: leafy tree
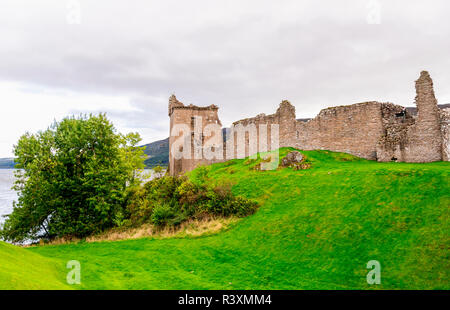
pixel 73 179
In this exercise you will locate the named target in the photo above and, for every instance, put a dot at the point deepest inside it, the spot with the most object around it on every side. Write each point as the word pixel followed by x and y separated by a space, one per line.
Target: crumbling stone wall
pixel 284 118
pixel 396 121
pixel 371 130
pixel 445 132
pixel 424 139
pixel 353 129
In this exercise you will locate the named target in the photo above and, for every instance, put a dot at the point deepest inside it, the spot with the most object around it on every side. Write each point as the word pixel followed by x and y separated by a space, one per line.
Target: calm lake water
pixel 7 195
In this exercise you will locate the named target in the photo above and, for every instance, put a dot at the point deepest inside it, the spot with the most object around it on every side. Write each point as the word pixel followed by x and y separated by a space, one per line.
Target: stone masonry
pixel 184 118
pixel 371 130
pixel 445 131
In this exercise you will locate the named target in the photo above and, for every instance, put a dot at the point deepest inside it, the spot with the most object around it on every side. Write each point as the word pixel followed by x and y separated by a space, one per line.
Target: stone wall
pixel 445 132
pixel 284 118
pixel 188 115
pixel 392 143
pixel 353 129
pixel 371 130
pixel 424 140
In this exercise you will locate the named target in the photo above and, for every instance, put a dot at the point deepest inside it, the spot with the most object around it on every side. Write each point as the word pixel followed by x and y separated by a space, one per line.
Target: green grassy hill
pixel 315 229
pixel 25 270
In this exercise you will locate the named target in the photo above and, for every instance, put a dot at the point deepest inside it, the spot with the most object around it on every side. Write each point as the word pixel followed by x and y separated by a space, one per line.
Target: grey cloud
pixel 245 56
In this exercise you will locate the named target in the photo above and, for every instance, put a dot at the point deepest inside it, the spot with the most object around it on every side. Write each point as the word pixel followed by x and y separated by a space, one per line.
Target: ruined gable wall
pixel 445 132
pixel 287 123
pixel 424 139
pixel 396 121
pixel 354 129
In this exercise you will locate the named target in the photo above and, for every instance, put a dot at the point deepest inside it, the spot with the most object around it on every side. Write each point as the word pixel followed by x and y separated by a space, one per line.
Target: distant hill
pixel 6 163
pixel 158 153
pixel 413 110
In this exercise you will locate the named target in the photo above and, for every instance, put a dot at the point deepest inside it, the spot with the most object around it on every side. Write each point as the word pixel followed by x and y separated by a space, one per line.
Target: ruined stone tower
pixel 190 131
pixel 424 140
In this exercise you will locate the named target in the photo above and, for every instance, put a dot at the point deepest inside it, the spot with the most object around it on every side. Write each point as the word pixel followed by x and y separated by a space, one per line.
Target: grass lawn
pixel 315 229
pixel 22 269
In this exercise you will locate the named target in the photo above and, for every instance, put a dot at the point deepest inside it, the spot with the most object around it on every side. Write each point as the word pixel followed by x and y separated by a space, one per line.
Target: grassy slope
pixel 21 269
pixel 316 229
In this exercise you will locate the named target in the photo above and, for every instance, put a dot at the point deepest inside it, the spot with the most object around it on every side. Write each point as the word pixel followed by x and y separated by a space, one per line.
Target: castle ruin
pixel 187 125
pixel 371 130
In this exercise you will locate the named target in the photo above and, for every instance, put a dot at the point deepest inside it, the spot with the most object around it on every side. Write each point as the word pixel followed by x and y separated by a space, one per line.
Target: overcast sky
pixel 126 57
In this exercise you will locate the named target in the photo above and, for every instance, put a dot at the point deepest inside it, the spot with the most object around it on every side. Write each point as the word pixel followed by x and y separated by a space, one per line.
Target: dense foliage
pixel 171 200
pixel 72 180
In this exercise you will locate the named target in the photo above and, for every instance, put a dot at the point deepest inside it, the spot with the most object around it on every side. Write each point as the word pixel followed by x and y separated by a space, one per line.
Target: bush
pixel 162 214
pixel 173 200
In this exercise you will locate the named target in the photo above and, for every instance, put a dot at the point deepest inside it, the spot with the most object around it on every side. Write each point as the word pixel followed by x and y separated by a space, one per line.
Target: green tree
pixel 73 179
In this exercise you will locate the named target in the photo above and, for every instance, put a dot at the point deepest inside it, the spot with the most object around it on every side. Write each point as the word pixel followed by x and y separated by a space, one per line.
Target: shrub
pixel 139 208
pixel 173 200
pixel 162 214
